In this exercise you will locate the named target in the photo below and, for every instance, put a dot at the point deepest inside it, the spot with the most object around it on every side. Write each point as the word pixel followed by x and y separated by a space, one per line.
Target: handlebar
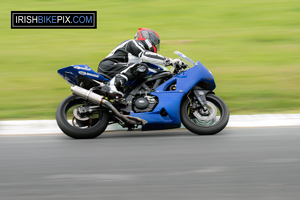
pixel 179 66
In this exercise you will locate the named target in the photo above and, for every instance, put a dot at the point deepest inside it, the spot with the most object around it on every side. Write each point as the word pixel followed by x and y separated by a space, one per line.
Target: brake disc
pixel 212 113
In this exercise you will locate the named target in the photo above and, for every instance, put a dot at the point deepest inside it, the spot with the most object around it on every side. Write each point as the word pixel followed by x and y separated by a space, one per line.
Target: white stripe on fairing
pixel 152 70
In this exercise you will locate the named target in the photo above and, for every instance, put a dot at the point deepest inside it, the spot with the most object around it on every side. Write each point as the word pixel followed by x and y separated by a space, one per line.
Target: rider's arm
pixel 154 58
pixel 138 50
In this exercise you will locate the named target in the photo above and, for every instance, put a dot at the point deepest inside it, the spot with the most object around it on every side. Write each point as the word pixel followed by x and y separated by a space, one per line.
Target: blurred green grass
pixel 251 47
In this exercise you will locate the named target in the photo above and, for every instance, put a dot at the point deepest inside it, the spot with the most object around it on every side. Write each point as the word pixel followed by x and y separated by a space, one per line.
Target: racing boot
pixel 115 84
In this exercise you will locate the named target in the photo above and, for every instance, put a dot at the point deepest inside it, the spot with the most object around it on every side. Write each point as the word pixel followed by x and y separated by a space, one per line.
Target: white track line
pixel 23 127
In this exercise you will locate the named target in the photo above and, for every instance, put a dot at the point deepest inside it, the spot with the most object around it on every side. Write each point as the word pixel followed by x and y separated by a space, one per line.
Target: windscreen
pixel 185 59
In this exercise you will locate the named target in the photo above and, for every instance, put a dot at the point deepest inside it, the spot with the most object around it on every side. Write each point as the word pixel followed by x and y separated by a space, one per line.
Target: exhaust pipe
pixel 99 100
pixel 87 94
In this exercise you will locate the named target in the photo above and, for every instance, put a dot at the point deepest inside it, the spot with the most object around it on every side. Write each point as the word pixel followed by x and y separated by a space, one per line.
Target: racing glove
pixel 175 62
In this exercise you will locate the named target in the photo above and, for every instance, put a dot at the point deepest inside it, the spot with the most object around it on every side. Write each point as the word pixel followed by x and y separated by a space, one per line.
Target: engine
pixel 144 103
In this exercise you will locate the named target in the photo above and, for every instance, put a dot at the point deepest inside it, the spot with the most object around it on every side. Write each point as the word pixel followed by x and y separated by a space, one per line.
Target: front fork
pixel 201 97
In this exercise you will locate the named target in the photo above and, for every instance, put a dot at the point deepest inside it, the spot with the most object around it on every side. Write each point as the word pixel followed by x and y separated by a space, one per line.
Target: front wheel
pixel 204 123
pixel 86 126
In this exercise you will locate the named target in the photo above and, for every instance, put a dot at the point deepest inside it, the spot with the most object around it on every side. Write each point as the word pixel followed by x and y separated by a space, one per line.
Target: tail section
pixel 70 73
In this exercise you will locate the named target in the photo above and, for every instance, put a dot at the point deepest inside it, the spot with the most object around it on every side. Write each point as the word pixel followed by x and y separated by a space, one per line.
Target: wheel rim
pixel 89 121
pixel 214 117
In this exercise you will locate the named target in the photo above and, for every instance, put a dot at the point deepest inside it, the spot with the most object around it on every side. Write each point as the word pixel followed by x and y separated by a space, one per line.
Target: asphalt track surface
pixel 238 163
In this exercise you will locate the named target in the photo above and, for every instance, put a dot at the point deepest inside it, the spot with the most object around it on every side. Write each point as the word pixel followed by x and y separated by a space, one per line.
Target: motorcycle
pixel 164 99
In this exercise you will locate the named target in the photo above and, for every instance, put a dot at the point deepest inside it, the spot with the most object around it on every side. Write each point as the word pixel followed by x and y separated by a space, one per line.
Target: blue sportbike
pixel 164 99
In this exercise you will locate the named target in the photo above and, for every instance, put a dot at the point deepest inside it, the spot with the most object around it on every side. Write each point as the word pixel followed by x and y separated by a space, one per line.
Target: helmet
pixel 150 37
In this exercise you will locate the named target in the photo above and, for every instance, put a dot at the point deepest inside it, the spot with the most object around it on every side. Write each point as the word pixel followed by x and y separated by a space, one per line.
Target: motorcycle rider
pixel 124 63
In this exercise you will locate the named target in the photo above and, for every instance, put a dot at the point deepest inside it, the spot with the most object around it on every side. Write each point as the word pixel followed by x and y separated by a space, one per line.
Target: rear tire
pixel 75 128
pixel 202 126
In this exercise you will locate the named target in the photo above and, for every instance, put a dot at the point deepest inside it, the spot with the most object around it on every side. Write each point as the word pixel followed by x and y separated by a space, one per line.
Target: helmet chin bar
pixel 154 49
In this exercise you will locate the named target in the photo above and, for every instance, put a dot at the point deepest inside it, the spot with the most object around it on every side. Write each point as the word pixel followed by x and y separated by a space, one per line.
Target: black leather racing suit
pixel 124 55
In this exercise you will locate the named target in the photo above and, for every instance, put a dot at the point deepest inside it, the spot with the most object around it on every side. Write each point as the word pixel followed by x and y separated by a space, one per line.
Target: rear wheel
pixel 77 125
pixel 195 119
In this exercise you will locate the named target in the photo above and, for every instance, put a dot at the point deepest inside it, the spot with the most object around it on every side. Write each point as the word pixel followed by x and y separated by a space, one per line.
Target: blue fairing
pixel 186 80
pixel 153 69
pixel 167 113
pixel 70 73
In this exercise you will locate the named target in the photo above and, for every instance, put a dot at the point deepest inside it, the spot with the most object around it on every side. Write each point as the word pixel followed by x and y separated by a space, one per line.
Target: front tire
pixel 77 129
pixel 201 124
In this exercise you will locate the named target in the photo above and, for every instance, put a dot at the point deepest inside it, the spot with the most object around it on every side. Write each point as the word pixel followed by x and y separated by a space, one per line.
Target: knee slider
pixel 140 70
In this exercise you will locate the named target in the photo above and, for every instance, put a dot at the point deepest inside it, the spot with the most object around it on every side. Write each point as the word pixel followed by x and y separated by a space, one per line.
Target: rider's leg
pixel 110 68
pixel 132 72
